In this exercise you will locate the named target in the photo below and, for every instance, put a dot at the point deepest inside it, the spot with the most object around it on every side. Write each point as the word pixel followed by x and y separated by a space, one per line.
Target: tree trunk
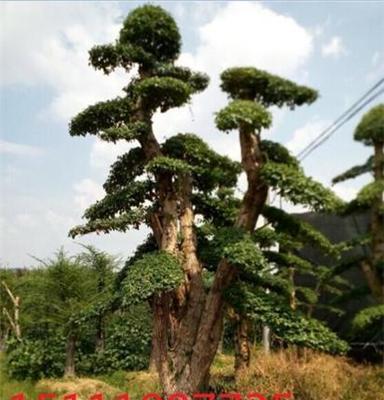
pixel 188 324
pixel 70 352
pixel 242 345
pixel 15 321
pixel 100 335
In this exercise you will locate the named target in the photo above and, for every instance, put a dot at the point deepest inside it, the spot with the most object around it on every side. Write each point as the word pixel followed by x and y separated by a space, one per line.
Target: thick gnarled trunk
pixel 242 346
pixel 188 323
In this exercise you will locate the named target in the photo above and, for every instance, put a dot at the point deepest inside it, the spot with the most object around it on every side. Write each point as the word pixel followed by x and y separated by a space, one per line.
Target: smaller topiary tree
pixel 370 131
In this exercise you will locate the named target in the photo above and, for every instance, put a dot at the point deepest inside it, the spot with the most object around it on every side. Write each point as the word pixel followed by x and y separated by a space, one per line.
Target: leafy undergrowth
pixel 309 377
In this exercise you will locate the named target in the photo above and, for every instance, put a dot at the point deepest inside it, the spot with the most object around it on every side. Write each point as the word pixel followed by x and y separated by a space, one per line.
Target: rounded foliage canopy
pixel 371 127
pixel 152 29
pixel 254 84
pixel 243 113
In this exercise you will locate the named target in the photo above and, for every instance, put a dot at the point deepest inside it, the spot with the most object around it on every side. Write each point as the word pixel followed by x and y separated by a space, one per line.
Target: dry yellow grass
pixel 84 387
pixel 313 377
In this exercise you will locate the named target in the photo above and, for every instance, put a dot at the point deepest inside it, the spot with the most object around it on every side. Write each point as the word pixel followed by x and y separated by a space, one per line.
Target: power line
pixel 341 120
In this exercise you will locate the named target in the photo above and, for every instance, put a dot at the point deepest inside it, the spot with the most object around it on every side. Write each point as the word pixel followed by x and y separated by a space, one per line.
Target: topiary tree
pixel 370 131
pixel 166 186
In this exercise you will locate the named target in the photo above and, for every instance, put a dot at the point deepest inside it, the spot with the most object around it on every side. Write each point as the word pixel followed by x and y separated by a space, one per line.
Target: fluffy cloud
pixel 248 33
pixel 19 149
pixel 240 33
pixel 87 192
pixel 303 136
pixel 103 154
pixel 47 44
pixel 334 48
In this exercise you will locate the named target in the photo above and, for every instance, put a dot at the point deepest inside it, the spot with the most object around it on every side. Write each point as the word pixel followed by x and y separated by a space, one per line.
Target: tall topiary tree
pixel 165 185
pixel 267 164
pixel 370 131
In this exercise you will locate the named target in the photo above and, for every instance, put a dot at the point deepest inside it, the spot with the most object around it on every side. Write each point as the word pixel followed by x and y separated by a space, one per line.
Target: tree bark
pixel 242 346
pixel 187 323
pixel 100 334
pixel 70 351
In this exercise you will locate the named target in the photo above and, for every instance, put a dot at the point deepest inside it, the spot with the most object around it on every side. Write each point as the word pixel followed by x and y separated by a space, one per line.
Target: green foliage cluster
pixel 277 153
pixel 291 183
pixel 168 164
pixel 289 326
pixel 152 30
pixel 101 116
pixel 153 273
pixel 369 193
pixel 127 345
pixel 36 358
pixel 265 88
pixel 355 171
pixel 370 129
pixel 163 93
pixel 369 316
pixel 244 114
pixel 208 168
pixel 125 169
pixel 130 219
pixel 303 231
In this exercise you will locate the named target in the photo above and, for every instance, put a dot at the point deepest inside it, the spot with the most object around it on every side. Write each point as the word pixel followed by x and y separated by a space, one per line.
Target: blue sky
pixel 48 178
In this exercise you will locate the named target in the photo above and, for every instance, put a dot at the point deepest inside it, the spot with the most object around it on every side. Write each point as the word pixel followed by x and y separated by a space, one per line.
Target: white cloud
pixel 47 44
pixel 19 149
pixel 258 37
pixel 377 64
pixel 103 154
pixel 334 48
pixel 303 136
pixel 345 192
pixel 87 192
pixel 262 38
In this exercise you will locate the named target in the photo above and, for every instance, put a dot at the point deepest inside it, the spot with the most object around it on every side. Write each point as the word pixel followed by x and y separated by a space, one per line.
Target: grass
pixel 313 377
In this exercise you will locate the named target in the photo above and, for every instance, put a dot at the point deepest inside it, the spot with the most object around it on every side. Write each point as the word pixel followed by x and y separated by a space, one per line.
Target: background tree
pixel 370 131
pixel 267 165
pixel 103 266
pixel 156 184
pixel 57 294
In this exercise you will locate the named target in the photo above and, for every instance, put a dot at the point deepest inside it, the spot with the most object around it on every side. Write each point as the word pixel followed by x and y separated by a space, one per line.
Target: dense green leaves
pixel 198 81
pixel 101 116
pixel 291 183
pixel 355 171
pixel 130 219
pixel 163 93
pixel 253 84
pixel 153 30
pixel 291 327
pixel 245 254
pixel 209 169
pixel 368 316
pixel 297 228
pixel 275 152
pixel 127 167
pixel 121 200
pixel 168 164
pixel 370 130
pixel 154 273
pixel 243 114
